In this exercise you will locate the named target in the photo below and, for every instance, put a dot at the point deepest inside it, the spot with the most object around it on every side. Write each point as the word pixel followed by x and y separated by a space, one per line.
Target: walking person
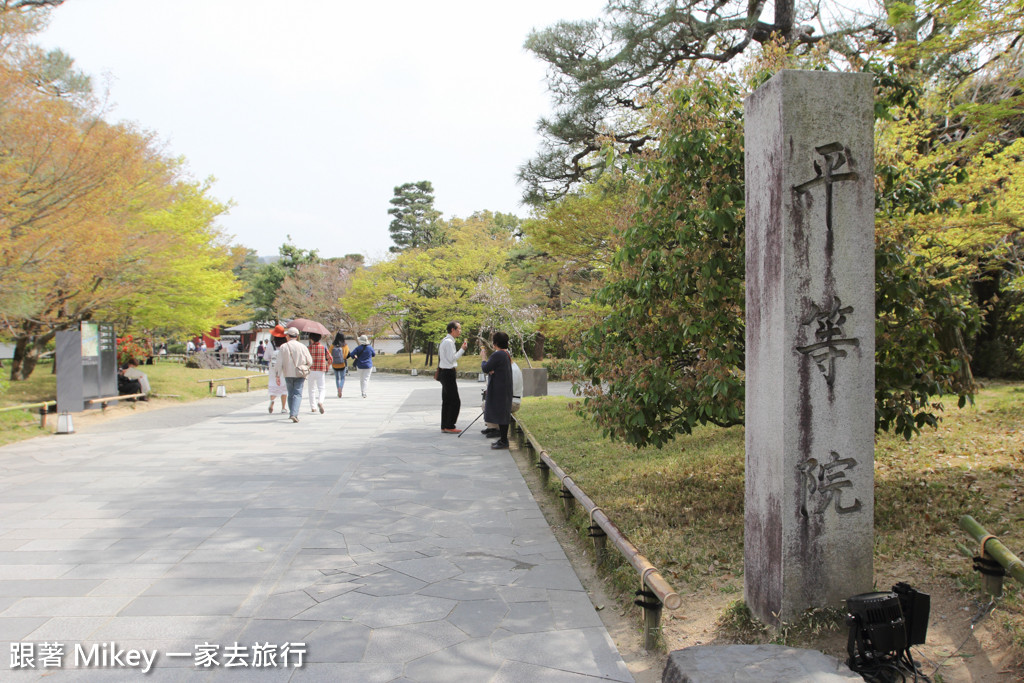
pixel 317 372
pixel 275 388
pixel 269 349
pixel 293 363
pixel 339 361
pixel 447 362
pixel 498 405
pixel 363 355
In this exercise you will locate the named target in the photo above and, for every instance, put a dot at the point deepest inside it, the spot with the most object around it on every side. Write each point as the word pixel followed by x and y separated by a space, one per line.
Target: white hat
pixel 363 339
pixel 291 332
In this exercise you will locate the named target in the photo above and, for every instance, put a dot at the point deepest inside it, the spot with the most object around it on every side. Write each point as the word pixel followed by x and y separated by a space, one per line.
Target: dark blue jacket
pixel 363 354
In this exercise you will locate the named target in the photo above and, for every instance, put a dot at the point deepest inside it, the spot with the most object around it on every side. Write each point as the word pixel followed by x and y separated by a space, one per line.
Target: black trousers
pixel 451 404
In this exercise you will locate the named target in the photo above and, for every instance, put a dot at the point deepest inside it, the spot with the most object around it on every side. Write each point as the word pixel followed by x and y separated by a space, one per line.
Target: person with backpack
pixel 339 362
pixel 363 355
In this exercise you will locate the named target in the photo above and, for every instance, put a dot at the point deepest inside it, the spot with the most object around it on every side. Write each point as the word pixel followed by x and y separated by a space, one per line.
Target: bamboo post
pixel 600 542
pixel 658 593
pixel 545 473
pixel 993 549
pixel 568 502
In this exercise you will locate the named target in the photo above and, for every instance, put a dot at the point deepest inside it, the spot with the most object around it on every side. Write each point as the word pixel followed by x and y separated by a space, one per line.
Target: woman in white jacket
pixel 275 389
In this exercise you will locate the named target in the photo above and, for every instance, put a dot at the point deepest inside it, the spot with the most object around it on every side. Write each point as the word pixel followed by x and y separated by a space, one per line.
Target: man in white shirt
pixel 447 362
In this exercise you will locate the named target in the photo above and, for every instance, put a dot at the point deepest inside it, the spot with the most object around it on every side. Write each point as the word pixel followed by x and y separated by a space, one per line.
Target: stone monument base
pixel 535 381
pixel 203 361
pixel 754 664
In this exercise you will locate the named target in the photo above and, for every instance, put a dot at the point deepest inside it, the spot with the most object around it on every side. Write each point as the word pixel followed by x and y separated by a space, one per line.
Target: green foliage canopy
pixel 415 223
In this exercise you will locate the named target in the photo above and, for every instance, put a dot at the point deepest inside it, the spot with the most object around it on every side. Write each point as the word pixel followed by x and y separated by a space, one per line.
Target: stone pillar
pixel 810 342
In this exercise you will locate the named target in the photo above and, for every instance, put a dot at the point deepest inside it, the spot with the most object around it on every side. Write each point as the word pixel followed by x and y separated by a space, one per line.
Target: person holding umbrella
pixel 363 355
pixel 293 366
pixel 317 372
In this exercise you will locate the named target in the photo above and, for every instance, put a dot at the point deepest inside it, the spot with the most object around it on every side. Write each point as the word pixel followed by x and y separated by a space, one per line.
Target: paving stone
pixel 394 554
pixel 412 641
pixel 429 570
pixel 479 618
pixel 183 605
pixel 565 650
pixel 48 587
pixel 65 629
pixel 472 660
pixel 66 607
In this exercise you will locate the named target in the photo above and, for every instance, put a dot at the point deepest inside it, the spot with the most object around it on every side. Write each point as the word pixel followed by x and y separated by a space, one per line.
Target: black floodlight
pixel 879 619
pixel 916 606
pixel 883 626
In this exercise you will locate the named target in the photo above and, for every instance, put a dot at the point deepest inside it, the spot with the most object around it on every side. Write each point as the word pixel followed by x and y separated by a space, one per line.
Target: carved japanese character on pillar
pixel 829 337
pixel 823 484
pixel 837 156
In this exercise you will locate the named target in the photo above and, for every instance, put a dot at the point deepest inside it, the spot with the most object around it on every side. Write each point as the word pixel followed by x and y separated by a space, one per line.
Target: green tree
pixel 264 283
pixel 566 252
pixel 502 311
pixel 415 223
pixel 418 291
pixel 185 279
pixel 668 352
pixel 95 220
pixel 602 71
pixel 315 290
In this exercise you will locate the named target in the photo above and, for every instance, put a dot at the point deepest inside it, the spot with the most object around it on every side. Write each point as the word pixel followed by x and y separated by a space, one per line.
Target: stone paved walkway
pixel 384 549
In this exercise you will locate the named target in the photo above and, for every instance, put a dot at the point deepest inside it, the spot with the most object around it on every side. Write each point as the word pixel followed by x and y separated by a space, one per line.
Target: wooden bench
pixel 104 400
pixel 247 378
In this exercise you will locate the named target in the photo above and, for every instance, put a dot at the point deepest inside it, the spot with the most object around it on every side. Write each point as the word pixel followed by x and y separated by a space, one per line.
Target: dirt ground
pixel 954 652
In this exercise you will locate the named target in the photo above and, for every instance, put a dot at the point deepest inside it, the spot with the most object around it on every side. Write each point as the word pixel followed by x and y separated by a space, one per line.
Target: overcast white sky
pixel 310 113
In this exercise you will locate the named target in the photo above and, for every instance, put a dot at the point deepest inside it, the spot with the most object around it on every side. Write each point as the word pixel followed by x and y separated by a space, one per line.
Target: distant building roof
pixel 249 326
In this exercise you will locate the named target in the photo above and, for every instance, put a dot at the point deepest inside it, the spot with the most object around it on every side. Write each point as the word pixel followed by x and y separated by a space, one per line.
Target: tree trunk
pixel 26 355
pixel 27 348
pixel 784 12
pixel 538 347
pixel 430 354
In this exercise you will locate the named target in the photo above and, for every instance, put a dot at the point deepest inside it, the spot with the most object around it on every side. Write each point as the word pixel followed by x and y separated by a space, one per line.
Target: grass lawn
pixel 169 381
pixel 682 506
